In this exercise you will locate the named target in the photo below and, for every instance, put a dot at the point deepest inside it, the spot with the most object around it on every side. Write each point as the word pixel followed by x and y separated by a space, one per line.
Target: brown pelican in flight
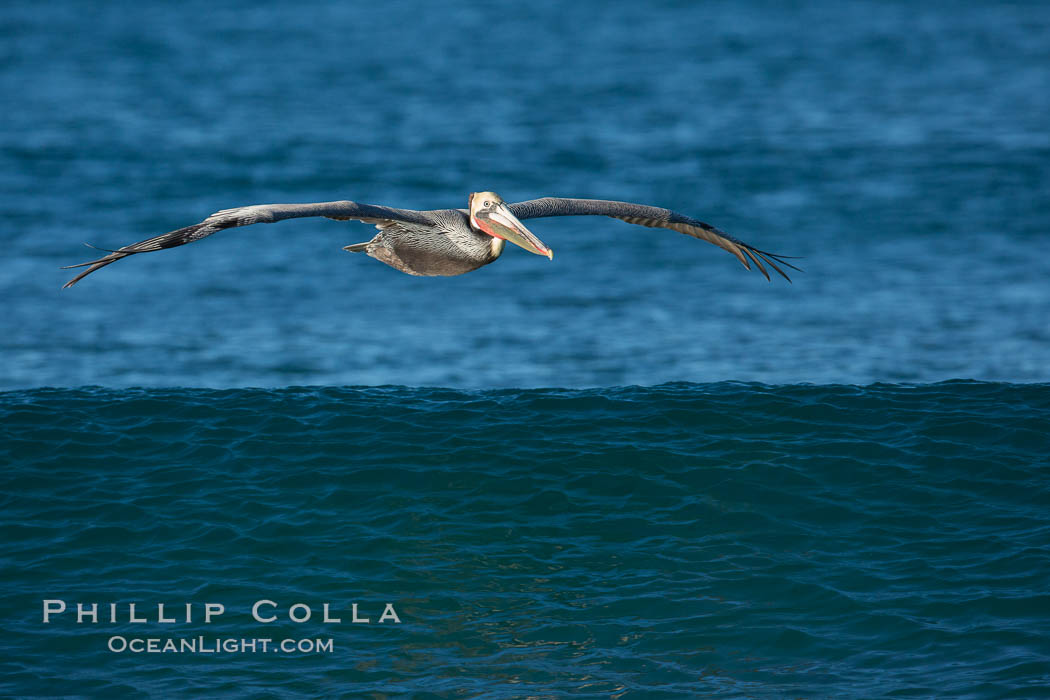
pixel 447 241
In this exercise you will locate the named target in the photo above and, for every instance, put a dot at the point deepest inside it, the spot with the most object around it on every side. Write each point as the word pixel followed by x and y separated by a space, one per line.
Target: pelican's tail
pixel 357 247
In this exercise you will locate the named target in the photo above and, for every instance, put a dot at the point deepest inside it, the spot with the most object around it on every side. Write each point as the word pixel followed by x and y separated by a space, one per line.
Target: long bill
pixel 501 223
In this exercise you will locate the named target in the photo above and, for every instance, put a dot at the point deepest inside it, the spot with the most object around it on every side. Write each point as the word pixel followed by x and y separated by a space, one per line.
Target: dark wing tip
pixel 91 262
pixel 746 253
pixel 92 265
pixel 165 240
pixel 757 259
pixel 772 259
pixel 104 250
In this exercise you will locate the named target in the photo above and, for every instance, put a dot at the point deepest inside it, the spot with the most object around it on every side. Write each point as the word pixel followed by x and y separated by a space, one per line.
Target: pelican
pixel 446 242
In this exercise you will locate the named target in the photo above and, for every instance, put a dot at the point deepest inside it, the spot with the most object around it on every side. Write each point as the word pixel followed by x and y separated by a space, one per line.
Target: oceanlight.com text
pixel 217 645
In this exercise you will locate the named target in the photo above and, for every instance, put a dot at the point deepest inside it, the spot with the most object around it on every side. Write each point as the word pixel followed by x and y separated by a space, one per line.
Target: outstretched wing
pixel 245 216
pixel 654 217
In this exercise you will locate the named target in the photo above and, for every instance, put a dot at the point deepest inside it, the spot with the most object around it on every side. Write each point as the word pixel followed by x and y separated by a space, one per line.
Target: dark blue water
pixel 903 151
pixel 799 504
pixel 736 539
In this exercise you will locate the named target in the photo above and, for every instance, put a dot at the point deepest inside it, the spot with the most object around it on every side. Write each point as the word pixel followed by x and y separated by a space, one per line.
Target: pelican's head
pixel 490 214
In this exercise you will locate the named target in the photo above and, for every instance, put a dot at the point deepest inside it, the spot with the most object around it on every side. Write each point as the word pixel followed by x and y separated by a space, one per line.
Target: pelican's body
pixel 445 246
pixel 446 242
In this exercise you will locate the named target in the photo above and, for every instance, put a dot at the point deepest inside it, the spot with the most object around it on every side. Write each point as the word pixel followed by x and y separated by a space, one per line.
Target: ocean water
pixel 903 152
pixel 733 539
pixel 637 470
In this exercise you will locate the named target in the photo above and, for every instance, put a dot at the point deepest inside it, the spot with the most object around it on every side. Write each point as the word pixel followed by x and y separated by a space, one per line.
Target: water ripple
pixel 737 539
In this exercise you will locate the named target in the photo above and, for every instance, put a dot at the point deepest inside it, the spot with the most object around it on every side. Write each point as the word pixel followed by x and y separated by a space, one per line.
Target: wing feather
pixel 246 216
pixel 653 217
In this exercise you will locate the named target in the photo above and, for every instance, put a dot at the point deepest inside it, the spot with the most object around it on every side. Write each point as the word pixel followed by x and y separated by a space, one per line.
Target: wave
pixel 728 538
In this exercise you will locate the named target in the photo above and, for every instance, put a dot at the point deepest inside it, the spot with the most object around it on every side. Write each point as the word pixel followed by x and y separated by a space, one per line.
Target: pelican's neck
pixel 497 246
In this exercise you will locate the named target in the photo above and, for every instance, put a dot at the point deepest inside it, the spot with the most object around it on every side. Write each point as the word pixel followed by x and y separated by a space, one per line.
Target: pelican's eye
pixel 488 204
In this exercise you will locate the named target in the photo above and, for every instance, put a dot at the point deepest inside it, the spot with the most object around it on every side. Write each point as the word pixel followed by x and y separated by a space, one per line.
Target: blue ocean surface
pixel 732 539
pixel 637 470
pixel 901 150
